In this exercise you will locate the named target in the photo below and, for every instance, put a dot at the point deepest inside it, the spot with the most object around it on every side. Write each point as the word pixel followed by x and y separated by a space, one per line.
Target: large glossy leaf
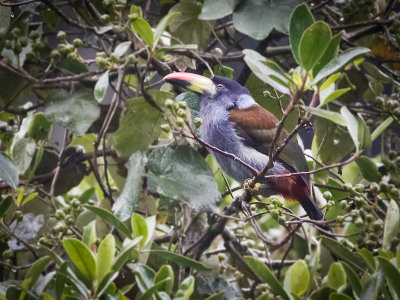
pixel 109 218
pixel 266 275
pixel 23 152
pixel 8 171
pixel 143 29
pixel 139 227
pixel 368 169
pixel 183 174
pixel 126 254
pixel 339 296
pixel 343 253
pixel 144 276
pixel 180 259
pixel 140 124
pixel 258 18
pixel 266 70
pixel 165 272
pixel 297 278
pixel 121 48
pixel 300 20
pixel 105 257
pixel 162 25
pixel 186 289
pixel 81 257
pixel 187 26
pixel 371 287
pixel 327 114
pixel 313 44
pixel 392 273
pixel 329 54
pixel 336 276
pixel 125 205
pixel 339 62
pixel 75 111
pixel 33 275
pixel 213 10
pixel 332 140
pixel 352 278
pixel 392 225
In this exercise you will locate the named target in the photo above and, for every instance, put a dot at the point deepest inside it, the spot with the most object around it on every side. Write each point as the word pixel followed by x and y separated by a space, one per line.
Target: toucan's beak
pixel 192 82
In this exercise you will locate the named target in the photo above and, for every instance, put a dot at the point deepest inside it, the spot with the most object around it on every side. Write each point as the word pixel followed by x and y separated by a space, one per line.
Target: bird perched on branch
pixel 233 122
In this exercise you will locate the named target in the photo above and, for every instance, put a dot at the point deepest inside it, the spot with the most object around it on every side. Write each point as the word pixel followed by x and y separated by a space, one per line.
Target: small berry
pixel 61 35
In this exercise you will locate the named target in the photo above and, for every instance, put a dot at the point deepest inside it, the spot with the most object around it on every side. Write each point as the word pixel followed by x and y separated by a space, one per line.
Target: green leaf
pixel 121 48
pixel 89 234
pixel 105 257
pixel 106 283
pixel 101 87
pixel 368 257
pixel 392 225
pixel 33 275
pixel 213 10
pixel 353 259
pixel 330 81
pixel 30 197
pixel 322 293
pixel 364 136
pixel 23 152
pixel 8 171
pixel 371 288
pixel 5 205
pixel 300 20
pixel 391 272
pixel 262 271
pixel 339 296
pixel 126 254
pixel 336 276
pixel 81 257
pixel 148 294
pixel 330 53
pixel 143 29
pixel 165 272
pixel 352 278
pixel 332 141
pixel 217 296
pixel 381 128
pixel 297 278
pixel 109 218
pixel 368 169
pixel 183 174
pixel 50 17
pixel 162 25
pixel 264 69
pixel 339 62
pixel 334 95
pixel 180 259
pixel 75 111
pixel 140 122
pixel 257 18
pixel 186 289
pixel 187 26
pixel 144 277
pixel 39 129
pixel 352 125
pixel 126 203
pixel 327 114
pixel 313 44
pixel 139 228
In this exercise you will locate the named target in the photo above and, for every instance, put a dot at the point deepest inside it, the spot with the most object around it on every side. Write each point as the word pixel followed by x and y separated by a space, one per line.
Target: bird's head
pixel 218 90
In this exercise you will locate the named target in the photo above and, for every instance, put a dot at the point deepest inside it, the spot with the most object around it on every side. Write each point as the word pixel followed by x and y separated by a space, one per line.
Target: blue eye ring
pixel 220 86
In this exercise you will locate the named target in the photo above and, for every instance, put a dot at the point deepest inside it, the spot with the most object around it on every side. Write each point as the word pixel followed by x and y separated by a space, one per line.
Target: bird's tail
pixel 314 212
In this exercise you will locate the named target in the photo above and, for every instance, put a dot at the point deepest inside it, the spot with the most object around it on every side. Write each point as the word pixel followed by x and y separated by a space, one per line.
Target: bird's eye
pixel 220 86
